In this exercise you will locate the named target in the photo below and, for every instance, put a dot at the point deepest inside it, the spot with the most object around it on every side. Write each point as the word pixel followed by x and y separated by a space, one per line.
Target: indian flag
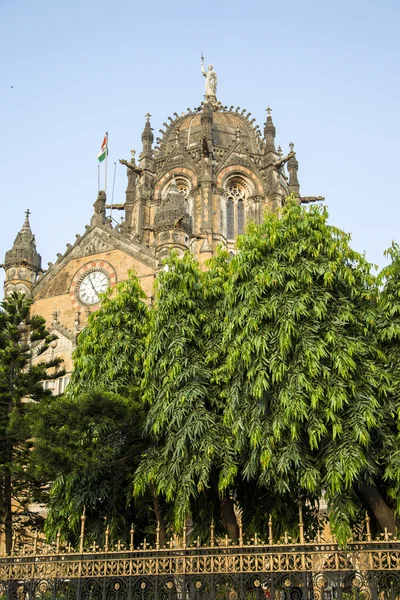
pixel 103 150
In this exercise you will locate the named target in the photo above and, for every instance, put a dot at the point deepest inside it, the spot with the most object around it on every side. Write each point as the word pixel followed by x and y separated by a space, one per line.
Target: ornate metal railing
pixel 320 570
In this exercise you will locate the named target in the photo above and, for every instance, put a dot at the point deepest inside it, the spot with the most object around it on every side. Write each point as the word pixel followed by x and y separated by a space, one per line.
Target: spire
pixel 293 167
pixel 146 160
pixel 24 250
pixel 147 134
pixel 269 132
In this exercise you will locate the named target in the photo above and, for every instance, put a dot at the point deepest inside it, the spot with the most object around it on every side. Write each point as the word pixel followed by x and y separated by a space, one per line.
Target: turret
pixel 22 263
pixel 206 180
pixel 293 167
pixel 172 224
pixel 269 133
pixel 147 166
pixel 146 158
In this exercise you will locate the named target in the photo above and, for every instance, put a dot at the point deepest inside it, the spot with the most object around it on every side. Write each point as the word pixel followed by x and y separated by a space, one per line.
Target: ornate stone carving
pixel 94 246
pixel 100 204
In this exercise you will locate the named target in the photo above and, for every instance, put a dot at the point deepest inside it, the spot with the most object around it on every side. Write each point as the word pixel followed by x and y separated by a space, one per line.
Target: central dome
pixel 228 126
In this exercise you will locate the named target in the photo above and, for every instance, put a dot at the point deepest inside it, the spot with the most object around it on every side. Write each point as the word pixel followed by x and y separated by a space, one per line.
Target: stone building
pixel 212 171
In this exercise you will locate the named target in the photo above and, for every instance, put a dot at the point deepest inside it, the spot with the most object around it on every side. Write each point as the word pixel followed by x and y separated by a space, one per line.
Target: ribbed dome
pixel 227 127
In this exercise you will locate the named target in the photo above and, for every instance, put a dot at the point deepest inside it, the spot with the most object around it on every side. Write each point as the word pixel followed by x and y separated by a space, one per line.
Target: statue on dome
pixel 211 79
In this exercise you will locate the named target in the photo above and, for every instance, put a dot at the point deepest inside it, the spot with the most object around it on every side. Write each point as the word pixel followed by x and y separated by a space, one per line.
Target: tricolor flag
pixel 104 149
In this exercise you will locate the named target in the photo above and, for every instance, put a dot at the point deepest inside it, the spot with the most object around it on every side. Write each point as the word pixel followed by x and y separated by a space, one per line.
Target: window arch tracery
pixel 237 190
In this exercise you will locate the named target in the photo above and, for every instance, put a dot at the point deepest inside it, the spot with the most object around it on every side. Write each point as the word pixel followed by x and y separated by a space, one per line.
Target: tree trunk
pixel 383 513
pixel 229 518
pixel 8 498
pixel 158 510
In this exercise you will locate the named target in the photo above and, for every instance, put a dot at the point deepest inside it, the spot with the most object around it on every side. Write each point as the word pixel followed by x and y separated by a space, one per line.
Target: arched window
pixel 240 214
pixel 230 221
pixel 236 192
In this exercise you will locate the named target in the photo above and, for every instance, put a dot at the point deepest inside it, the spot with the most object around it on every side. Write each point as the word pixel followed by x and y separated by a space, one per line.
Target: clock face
pixel 93 284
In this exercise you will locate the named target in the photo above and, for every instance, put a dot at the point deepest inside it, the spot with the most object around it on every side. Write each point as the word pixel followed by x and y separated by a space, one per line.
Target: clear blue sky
pixel 329 70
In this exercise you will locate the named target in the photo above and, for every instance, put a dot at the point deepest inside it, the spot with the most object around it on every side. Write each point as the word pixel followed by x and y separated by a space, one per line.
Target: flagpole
pixel 105 173
pixel 113 187
pixel 98 178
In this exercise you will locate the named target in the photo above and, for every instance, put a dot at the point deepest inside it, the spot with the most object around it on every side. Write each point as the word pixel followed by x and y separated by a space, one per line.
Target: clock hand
pixel 91 283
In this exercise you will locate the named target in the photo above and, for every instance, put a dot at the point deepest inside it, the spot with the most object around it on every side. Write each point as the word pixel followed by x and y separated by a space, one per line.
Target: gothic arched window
pixel 236 191
pixel 230 221
pixel 240 214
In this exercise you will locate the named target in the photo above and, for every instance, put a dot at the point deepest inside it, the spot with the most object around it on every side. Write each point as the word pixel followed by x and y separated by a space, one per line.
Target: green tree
pixel 304 378
pixel 89 446
pixel 389 336
pixel 23 339
pixel 88 442
pixel 110 349
pixel 185 459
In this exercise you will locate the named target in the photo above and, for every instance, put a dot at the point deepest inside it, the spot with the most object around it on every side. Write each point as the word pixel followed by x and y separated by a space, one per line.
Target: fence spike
pixel 184 535
pixel 240 531
pixel 270 538
pixel 368 526
pixel 132 533
pixel 82 536
pixel 106 538
pixel 158 536
pixel 301 524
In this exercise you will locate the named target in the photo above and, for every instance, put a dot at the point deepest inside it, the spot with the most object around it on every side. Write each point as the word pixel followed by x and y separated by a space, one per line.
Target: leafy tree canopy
pixel 89 446
pixel 304 377
pixel 109 355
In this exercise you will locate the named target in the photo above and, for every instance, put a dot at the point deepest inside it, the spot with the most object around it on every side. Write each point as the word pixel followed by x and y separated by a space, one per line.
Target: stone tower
pixel 22 263
pixel 226 171
pixel 211 171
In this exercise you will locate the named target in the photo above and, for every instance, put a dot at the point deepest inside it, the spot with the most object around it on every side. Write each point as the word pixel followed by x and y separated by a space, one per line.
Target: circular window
pixel 183 186
pixel 236 188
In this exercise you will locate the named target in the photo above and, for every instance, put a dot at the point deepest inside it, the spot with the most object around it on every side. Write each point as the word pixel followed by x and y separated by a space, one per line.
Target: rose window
pixel 183 186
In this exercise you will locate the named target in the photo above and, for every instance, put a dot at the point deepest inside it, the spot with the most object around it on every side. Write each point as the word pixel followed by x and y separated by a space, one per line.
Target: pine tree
pixel 23 339
pixel 305 380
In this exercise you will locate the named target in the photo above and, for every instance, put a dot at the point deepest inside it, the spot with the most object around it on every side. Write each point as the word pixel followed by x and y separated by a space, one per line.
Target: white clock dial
pixel 93 284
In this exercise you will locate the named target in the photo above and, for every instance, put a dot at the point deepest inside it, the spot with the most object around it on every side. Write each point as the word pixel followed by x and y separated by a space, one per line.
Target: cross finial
pixel 133 154
pixel 279 151
pixel 148 115
pixel 291 146
pixel 28 212
pixel 269 111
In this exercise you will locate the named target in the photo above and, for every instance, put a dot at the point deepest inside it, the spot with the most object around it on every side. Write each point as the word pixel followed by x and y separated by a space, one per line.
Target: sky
pixel 72 70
